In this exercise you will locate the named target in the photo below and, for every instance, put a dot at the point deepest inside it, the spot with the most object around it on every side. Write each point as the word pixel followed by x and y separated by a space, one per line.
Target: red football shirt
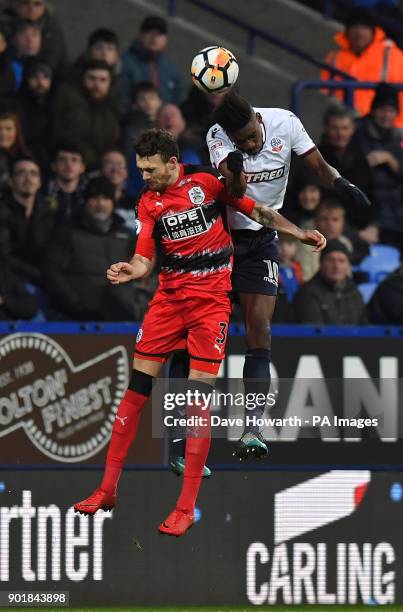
pixel 188 222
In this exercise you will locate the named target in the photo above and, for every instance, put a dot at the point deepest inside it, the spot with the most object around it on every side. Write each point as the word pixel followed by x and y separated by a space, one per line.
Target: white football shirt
pixel 267 171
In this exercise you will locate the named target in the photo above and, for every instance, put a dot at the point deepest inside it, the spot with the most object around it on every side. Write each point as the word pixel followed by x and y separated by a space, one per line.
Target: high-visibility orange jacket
pixel 382 60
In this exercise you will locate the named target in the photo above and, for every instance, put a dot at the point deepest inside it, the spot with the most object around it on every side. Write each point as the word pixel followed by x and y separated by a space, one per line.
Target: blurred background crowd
pixel 69 182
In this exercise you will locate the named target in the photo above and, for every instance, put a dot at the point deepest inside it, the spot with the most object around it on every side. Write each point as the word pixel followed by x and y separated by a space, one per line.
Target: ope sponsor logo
pixel 185 224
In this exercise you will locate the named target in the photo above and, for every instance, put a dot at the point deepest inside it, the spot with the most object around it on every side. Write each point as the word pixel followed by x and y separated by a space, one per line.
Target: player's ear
pixel 173 161
pixel 259 118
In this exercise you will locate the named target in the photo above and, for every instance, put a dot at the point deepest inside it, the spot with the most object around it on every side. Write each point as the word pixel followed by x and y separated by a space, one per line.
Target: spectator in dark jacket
pixel 381 142
pixel 27 43
pixel 303 199
pixel 35 101
pixel 170 118
pixel 146 60
pixel 302 210
pixel 65 190
pixel 289 280
pixel 114 167
pixel 103 45
pixel 15 300
pixel 330 220
pixel 343 153
pixel 145 105
pixel 331 297
pixel 8 85
pixel 198 109
pixel 386 305
pixel 26 222
pixel 12 143
pixel 77 259
pixel 86 113
pixel 35 11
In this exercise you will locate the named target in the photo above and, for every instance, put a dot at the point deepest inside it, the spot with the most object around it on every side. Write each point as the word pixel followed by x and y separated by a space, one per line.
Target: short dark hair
pixel 103 35
pixel 143 87
pixel 337 112
pixel 330 202
pixel 22 158
pixel 94 64
pixel 22 24
pixel 233 112
pixel 157 142
pixel 154 22
pixel 68 147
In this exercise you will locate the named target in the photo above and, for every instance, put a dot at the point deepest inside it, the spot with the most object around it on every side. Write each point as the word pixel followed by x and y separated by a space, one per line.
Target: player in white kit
pixel 251 148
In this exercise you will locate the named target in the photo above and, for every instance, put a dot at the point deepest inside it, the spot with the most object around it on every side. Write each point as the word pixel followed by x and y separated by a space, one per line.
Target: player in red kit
pixel 182 209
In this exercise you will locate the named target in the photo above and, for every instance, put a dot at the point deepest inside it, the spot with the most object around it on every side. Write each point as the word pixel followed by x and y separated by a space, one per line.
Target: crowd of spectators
pixel 68 178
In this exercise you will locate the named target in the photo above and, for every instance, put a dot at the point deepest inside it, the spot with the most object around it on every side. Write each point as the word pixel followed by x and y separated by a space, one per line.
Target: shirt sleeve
pixel 301 142
pixel 145 242
pixel 219 145
pixel 245 204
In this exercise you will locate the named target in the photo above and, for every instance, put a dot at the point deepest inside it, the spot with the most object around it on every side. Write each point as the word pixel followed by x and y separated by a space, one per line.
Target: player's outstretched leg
pixel 257 366
pixel 123 433
pixel 178 370
pixel 197 448
pixel 258 310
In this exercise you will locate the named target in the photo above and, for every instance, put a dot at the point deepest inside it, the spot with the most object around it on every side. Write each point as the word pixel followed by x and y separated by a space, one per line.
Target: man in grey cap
pixel 331 297
pixel 146 60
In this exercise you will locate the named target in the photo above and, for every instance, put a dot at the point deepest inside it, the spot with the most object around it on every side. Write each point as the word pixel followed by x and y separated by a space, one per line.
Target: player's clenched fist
pixel 121 272
pixel 314 238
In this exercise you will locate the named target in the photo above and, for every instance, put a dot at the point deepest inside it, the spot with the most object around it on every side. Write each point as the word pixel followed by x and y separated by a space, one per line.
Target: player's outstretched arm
pixel 123 271
pixel 232 170
pixel 275 221
pixel 331 179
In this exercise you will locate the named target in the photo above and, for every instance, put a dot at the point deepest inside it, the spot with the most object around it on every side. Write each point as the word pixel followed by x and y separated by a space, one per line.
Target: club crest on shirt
pixel 276 144
pixel 196 195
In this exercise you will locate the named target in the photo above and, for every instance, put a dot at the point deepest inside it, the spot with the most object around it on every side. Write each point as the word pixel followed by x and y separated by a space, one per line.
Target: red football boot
pixel 99 500
pixel 177 523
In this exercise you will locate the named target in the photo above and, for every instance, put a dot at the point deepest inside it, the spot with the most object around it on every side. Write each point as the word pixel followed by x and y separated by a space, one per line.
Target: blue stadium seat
pixel 382 260
pixel 367 290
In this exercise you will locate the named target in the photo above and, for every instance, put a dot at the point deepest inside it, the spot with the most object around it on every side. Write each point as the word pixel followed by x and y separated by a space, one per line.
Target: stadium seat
pixel 367 290
pixel 382 260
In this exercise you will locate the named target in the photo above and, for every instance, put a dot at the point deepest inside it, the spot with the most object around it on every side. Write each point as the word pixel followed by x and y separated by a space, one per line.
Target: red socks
pixel 123 433
pixel 197 448
pixel 195 458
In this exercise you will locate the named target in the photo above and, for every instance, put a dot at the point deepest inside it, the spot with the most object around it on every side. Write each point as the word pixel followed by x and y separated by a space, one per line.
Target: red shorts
pixel 183 319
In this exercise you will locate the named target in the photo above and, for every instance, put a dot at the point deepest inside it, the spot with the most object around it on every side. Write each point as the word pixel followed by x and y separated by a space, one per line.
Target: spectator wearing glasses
pixel 26 222
pixel 54 46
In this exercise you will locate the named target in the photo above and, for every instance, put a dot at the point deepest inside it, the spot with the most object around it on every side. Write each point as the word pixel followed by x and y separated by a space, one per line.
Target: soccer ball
pixel 214 69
